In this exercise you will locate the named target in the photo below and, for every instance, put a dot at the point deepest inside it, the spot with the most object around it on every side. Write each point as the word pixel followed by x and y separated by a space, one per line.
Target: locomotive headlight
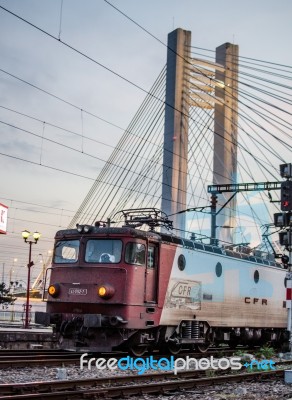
pixel 54 290
pixel 105 291
pixel 102 291
pixel 79 228
pixel 83 228
pixel 87 228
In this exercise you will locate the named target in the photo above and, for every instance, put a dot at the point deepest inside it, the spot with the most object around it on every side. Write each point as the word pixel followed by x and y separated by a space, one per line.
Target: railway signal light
pixel 286 170
pixel 283 219
pixel 279 220
pixel 285 238
pixel 286 196
pixel 213 200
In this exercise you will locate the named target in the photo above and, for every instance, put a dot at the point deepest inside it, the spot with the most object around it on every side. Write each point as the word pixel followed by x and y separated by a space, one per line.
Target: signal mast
pixel 284 221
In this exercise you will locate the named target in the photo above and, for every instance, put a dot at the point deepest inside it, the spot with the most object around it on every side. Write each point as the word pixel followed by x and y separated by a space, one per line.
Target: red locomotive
pixel 127 288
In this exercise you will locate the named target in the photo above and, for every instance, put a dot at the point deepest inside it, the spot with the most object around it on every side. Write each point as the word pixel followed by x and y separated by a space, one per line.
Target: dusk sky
pixel 46 85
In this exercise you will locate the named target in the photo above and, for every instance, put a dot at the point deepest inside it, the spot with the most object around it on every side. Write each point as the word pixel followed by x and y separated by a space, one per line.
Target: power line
pixel 60 99
pixel 97 62
pixel 75 50
pixel 246 58
pixel 68 130
pixel 83 54
pixel 47 166
pixel 61 144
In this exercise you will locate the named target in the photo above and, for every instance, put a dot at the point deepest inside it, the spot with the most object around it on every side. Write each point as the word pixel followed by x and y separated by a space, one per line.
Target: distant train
pixel 126 288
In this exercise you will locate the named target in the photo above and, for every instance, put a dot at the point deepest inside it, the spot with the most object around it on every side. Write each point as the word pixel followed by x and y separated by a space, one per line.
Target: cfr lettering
pixel 254 300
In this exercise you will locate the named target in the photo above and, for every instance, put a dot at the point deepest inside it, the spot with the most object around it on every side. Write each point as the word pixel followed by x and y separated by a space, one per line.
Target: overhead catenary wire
pixel 83 54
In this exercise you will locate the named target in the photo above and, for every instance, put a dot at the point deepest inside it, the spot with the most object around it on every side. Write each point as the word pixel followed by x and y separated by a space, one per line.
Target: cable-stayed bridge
pixel 210 117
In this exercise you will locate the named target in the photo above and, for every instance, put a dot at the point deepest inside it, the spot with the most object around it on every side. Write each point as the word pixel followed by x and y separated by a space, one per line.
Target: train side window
pixel 151 257
pixel 135 253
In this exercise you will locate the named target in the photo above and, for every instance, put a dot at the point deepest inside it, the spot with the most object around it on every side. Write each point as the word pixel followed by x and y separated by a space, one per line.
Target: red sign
pixel 3 218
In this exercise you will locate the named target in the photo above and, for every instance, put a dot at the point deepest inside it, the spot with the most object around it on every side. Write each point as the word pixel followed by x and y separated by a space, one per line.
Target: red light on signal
pixel 286 195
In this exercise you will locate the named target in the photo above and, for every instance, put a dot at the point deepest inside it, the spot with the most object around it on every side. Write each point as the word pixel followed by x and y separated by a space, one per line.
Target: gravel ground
pixel 274 390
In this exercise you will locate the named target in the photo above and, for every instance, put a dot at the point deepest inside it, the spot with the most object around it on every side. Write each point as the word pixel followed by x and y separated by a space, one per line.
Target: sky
pixel 45 171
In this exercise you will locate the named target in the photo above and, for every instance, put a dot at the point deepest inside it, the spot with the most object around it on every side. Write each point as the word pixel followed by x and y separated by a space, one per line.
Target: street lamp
pixel 36 235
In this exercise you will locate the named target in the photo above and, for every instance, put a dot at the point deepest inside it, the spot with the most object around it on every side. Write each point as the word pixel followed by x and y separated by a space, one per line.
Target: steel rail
pixel 33 362
pixel 116 386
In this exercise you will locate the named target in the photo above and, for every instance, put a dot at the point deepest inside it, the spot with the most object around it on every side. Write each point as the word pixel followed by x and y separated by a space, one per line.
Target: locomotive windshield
pixel 66 251
pixel 103 251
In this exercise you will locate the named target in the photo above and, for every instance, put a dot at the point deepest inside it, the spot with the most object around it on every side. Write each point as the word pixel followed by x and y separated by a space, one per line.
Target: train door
pixel 151 274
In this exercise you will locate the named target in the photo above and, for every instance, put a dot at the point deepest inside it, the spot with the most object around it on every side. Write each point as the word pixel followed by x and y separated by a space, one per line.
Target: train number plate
pixel 78 291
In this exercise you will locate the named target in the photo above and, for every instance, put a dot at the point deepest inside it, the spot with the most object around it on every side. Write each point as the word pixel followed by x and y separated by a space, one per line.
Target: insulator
pixel 187 329
pixel 195 330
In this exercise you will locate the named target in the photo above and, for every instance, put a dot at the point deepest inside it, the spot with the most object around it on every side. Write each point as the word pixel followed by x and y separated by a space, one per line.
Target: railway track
pixel 31 358
pixel 18 358
pixel 113 386
pixel 120 386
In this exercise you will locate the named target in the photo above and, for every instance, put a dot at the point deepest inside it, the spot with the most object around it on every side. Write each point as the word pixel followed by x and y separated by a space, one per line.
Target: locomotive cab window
pixel 103 251
pixel 66 251
pixel 135 254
